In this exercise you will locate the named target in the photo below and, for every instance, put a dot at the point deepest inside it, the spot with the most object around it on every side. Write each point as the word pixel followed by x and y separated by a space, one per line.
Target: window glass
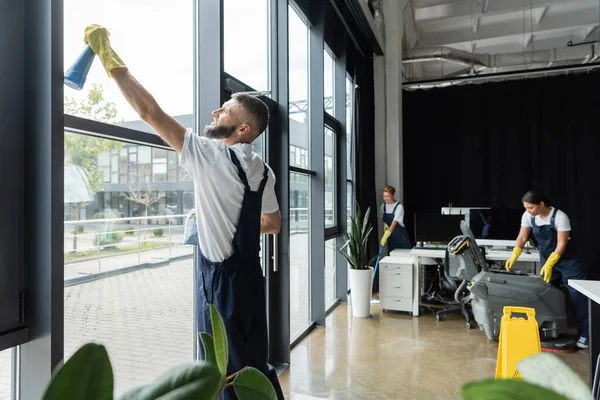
pixel 169 81
pixel 5 374
pixel 116 293
pixel 328 73
pixel 298 78
pixel 330 178
pixel 246 41
pixel 349 128
pixel 330 254
pixel 299 253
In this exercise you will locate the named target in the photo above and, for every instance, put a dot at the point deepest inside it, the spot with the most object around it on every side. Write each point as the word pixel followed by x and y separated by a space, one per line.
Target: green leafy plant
pixel 129 231
pixel 80 228
pixel 545 376
pixel 88 375
pixel 158 232
pixel 356 241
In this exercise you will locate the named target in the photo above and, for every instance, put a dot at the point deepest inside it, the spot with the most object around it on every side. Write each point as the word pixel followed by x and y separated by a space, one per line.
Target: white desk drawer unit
pixel 396 283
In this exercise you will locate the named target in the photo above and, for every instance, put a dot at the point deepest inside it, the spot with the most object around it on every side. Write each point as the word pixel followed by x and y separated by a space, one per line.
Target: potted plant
pixel 360 270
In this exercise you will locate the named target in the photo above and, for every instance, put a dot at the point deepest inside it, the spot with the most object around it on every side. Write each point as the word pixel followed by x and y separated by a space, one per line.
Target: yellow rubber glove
pixel 547 268
pixel 97 37
pixel 385 237
pixel 385 226
pixel 515 254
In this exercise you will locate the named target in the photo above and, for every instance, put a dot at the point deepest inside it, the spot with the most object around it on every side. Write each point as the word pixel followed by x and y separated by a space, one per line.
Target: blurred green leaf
pixel 198 380
pixel 251 384
pixel 220 339
pixel 549 371
pixel 507 389
pixel 86 375
pixel 209 348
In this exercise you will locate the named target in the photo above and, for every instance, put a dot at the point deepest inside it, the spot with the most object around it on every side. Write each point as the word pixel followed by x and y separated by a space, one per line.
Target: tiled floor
pixel 394 356
pixel 144 318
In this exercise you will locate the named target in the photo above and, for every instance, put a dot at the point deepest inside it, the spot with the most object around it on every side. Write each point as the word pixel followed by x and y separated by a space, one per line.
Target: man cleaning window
pixel 235 202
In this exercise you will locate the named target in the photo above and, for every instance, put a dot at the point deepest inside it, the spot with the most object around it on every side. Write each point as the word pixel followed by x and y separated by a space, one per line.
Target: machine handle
pixel 509 310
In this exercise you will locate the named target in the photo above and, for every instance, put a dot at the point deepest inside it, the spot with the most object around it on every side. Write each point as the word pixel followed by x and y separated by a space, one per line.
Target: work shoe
pixel 583 342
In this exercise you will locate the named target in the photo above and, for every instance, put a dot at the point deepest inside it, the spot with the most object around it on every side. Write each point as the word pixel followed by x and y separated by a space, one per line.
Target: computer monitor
pixel 479 222
pixel 503 224
pixel 437 227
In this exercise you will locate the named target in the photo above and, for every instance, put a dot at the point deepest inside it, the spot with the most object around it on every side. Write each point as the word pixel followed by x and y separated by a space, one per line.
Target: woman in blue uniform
pixel 551 228
pixel 395 235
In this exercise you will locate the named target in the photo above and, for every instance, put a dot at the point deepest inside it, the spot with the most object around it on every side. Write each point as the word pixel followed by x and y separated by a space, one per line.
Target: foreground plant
pixel 88 375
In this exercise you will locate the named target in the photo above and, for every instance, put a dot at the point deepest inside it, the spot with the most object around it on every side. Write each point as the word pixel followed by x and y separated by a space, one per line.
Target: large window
pixel 171 82
pixel 246 41
pixel 5 374
pixel 113 233
pixel 328 73
pixel 300 178
pixel 330 178
pixel 349 149
pixel 330 264
pixel 298 84
pixel 299 252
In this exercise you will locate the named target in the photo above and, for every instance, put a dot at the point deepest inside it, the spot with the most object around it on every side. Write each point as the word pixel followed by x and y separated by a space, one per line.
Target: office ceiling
pixel 516 34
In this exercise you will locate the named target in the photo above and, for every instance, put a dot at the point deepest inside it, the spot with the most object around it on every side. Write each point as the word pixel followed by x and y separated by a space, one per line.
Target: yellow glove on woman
pixel 385 226
pixel 547 268
pixel 515 254
pixel 385 237
pixel 97 37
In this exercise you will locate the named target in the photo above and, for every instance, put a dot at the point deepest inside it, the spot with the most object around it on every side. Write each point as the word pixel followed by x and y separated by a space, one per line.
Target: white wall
pixel 388 105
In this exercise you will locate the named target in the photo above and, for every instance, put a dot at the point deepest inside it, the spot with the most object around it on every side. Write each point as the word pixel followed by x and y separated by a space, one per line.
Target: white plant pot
pixel 361 288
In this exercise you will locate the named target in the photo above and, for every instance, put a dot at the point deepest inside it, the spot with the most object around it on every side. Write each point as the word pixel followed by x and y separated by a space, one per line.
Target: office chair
pixel 458 287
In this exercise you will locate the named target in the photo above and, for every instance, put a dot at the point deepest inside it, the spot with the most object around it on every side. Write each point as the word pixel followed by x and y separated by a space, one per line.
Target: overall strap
pixel 240 170
pixel 394 211
pixel 553 218
pixel 263 183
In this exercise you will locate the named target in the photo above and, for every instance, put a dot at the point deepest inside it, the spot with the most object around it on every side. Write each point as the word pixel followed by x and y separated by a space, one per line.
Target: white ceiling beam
pixel 540 14
pixel 426 10
pixel 576 19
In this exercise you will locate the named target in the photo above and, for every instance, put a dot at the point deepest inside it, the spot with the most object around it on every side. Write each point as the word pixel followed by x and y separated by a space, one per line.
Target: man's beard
pixel 219 131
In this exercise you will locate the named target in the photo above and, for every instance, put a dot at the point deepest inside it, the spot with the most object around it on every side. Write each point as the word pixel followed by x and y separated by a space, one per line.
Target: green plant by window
pixel 356 241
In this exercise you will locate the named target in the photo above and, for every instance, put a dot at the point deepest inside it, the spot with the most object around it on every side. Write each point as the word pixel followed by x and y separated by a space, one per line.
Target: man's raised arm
pixel 139 98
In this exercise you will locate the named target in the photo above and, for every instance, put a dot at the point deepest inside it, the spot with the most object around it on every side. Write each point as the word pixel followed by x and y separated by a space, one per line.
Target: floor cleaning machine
pixel 491 290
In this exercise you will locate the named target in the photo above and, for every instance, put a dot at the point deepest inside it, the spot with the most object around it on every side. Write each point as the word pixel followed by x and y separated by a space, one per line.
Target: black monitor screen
pixel 479 222
pixel 503 224
pixel 437 227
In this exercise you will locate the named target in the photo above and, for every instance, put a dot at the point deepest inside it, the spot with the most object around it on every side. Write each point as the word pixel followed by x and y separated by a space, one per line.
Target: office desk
pixel 423 257
pixel 428 257
pixel 532 258
pixel 592 290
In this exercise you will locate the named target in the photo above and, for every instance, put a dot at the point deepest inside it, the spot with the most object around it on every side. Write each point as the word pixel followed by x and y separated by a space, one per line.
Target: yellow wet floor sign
pixel 519 339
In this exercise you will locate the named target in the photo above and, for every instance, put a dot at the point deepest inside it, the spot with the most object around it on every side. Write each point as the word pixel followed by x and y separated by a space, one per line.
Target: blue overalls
pixel 399 238
pixel 236 287
pixel 568 267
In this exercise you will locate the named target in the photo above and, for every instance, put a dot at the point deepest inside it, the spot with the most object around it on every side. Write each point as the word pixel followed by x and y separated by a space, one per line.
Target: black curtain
pixel 487 144
pixel 364 122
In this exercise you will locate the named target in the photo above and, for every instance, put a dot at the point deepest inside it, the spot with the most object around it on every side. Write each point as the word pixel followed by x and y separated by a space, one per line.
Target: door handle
pixel 275 254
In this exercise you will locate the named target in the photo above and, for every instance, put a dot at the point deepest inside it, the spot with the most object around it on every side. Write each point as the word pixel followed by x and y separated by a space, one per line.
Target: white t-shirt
pixel 398 215
pixel 561 221
pixel 219 191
